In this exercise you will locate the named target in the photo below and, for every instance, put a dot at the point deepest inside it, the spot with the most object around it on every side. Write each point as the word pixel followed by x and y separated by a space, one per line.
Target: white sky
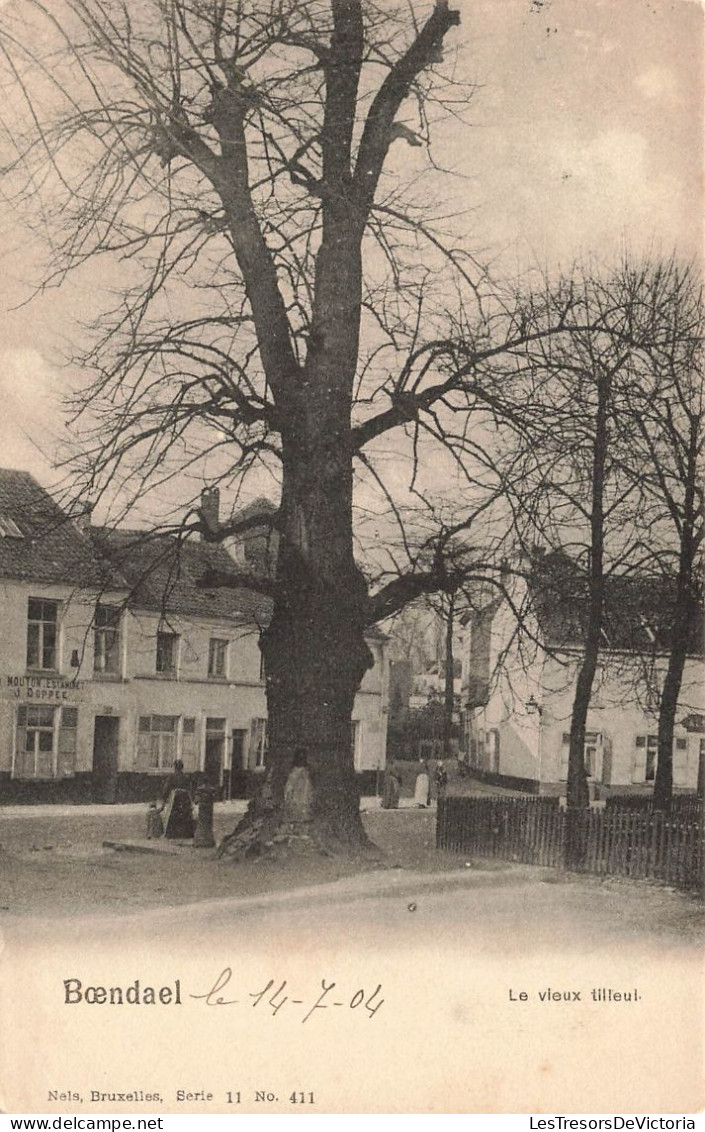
pixel 584 136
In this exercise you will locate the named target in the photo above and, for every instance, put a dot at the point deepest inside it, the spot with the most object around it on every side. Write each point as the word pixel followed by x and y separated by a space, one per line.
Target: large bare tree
pixel 252 175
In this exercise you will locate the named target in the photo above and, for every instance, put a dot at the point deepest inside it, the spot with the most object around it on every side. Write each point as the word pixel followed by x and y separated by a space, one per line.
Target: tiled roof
pixel 51 548
pixel 156 572
pixel 638 612
pixel 163 574
pixel 260 506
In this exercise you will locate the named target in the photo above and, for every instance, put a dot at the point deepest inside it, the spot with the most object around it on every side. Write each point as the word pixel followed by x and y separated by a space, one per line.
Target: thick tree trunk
pixel 577 788
pixel 680 634
pixel 315 657
pixel 315 653
pixel 663 782
pixel 314 648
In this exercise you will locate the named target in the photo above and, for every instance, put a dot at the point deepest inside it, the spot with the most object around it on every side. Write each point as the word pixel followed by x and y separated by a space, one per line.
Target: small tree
pixel 662 437
pixel 575 496
pixel 613 464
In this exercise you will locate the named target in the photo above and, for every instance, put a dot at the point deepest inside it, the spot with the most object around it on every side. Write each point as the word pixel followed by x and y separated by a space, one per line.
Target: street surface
pixel 395 989
pixel 53 864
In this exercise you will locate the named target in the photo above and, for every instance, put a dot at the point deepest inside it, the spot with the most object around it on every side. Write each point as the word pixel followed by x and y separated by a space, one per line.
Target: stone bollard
pixel 203 837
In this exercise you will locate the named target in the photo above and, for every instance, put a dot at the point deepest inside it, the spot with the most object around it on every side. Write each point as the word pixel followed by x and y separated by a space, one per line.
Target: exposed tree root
pixel 265 835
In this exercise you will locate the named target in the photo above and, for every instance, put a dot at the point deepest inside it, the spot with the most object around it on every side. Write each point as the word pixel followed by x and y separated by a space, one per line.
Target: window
pixel 156 742
pixel 167 653
pixel 649 743
pixel 481 750
pixel 9 528
pixel 35 742
pixel 42 633
pixel 682 762
pixel 592 740
pixel 258 743
pixel 217 657
pixel 492 747
pixel 646 758
pixel 591 747
pixel 106 640
pixel 45 742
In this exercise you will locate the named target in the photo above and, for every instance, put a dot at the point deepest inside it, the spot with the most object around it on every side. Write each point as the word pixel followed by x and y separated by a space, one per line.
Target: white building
pixel 518 689
pixel 115 661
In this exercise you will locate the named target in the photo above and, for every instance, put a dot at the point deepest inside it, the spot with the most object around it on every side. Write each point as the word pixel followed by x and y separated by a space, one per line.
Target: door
pixel 105 758
pixel 238 774
pixel 215 751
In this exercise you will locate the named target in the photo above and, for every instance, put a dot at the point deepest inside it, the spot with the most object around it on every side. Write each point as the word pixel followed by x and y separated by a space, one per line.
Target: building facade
pixel 518 690
pixel 115 660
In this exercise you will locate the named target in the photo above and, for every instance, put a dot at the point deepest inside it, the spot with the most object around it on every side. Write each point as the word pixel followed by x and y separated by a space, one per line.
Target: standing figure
pixel 441 779
pixel 422 790
pixel 391 788
pixel 176 806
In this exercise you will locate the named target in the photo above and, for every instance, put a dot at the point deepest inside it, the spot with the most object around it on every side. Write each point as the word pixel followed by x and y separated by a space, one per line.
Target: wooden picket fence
pixel 683 806
pixel 604 842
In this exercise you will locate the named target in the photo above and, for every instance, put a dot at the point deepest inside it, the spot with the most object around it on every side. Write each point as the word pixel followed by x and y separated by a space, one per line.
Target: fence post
pixel 440 822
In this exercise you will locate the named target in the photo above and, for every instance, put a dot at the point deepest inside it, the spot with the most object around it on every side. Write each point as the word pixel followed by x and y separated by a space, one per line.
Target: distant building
pixel 115 660
pixel 430 687
pixel 517 689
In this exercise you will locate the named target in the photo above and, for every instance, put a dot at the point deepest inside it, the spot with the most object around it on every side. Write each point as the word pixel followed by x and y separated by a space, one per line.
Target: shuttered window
pixel 45 741
pixel 593 740
pixel 646 759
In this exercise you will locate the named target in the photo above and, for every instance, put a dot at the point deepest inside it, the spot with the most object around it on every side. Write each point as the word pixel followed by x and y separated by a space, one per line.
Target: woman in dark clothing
pixel 176 807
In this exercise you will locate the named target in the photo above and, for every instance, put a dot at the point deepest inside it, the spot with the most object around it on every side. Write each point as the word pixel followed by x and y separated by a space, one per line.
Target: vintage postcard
pixel 352 676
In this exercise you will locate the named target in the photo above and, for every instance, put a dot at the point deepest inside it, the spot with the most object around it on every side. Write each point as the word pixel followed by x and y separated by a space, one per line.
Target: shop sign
pixel 45 689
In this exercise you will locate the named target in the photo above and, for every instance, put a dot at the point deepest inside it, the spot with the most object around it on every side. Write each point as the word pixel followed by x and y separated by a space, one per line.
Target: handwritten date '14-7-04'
pixel 273 994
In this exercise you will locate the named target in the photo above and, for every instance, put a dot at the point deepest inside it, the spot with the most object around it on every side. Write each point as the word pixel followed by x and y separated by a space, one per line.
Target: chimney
pixel 210 511
pixel 83 521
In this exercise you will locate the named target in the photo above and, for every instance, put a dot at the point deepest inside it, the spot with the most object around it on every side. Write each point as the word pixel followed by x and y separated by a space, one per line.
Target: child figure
pixel 155 825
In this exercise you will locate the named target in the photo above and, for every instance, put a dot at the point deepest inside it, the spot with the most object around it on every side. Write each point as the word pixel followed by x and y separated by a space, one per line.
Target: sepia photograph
pixel 352 653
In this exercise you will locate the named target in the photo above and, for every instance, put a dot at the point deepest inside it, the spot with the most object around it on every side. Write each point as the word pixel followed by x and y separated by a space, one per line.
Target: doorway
pixel 238 774
pixel 215 753
pixel 105 758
